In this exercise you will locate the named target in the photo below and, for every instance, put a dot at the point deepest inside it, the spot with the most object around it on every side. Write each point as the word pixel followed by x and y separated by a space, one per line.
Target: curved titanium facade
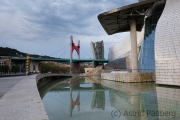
pixel 120 54
pixel 167 45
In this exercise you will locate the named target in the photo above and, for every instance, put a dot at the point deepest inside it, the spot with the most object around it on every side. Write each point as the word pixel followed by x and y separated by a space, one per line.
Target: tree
pixel 4 68
pixel 0 68
pixel 51 67
pixel 15 68
pixel 81 69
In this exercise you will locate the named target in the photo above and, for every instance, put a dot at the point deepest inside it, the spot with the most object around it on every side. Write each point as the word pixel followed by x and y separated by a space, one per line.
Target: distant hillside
pixel 15 53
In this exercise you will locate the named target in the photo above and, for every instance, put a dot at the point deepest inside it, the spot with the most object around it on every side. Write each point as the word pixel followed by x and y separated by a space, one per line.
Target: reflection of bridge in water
pixel 132 99
pixel 98 100
pixel 73 84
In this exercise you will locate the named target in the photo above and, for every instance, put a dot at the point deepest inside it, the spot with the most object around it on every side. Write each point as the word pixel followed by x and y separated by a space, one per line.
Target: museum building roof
pixel 117 20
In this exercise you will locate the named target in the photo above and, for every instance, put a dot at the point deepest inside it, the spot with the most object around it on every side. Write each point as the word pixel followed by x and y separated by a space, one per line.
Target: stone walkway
pixel 20 99
pixel 6 83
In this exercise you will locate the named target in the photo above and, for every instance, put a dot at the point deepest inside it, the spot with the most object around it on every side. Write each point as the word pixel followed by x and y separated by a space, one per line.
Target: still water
pixel 94 99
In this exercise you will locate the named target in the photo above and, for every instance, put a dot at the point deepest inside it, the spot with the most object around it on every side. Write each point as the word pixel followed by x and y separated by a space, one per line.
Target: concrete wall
pixel 129 77
pixel 167 45
pixel 39 76
pixel 88 69
pixel 130 88
pixel 94 71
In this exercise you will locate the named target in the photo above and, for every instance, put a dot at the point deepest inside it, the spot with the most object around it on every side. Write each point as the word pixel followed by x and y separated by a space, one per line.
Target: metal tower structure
pixel 72 48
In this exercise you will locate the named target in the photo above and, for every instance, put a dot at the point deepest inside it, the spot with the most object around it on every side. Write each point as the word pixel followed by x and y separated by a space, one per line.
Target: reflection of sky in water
pixel 57 106
pixel 86 85
pixel 66 87
pixel 119 96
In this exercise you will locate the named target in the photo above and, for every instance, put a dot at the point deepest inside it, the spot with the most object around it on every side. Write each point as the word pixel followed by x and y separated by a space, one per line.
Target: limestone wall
pixel 95 71
pixel 167 45
pixel 129 77
pixel 88 69
pixel 129 88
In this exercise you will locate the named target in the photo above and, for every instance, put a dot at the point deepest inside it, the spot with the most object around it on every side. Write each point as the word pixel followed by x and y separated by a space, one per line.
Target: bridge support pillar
pixel 10 64
pixel 71 66
pixel 95 86
pixel 75 67
pixel 27 64
pixel 94 64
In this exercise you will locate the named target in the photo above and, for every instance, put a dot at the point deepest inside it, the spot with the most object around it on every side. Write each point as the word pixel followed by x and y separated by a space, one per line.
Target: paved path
pixel 20 99
pixel 11 75
pixel 6 83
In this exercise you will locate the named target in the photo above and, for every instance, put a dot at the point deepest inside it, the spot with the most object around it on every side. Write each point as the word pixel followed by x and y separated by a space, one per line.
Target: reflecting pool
pixel 95 99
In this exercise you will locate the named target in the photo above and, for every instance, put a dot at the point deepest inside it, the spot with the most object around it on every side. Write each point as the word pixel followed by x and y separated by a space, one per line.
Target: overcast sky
pixel 45 26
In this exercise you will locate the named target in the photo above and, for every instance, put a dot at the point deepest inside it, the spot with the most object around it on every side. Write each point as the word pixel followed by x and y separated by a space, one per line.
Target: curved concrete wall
pixel 167 45
pixel 38 77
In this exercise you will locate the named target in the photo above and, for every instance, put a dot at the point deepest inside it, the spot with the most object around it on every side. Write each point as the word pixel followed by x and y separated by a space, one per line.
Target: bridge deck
pixel 61 60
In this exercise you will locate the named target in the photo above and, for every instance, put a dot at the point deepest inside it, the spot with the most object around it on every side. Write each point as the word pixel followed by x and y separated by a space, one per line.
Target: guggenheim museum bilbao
pixel 153 44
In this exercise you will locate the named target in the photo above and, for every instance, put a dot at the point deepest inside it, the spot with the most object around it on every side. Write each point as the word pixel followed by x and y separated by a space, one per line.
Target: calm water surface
pixel 93 99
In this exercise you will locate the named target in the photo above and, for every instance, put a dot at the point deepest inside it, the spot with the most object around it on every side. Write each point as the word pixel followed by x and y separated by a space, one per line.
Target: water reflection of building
pixel 133 99
pixel 169 101
pixel 98 99
pixel 92 79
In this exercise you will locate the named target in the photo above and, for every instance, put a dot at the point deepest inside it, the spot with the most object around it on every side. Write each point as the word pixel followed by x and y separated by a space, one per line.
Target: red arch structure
pixel 73 47
pixel 74 84
pixel 74 103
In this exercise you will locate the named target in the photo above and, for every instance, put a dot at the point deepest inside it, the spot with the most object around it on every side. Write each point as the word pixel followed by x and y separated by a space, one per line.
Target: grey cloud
pixel 53 20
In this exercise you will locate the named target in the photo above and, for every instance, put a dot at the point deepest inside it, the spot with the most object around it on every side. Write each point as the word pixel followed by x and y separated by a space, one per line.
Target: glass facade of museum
pixel 146 60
